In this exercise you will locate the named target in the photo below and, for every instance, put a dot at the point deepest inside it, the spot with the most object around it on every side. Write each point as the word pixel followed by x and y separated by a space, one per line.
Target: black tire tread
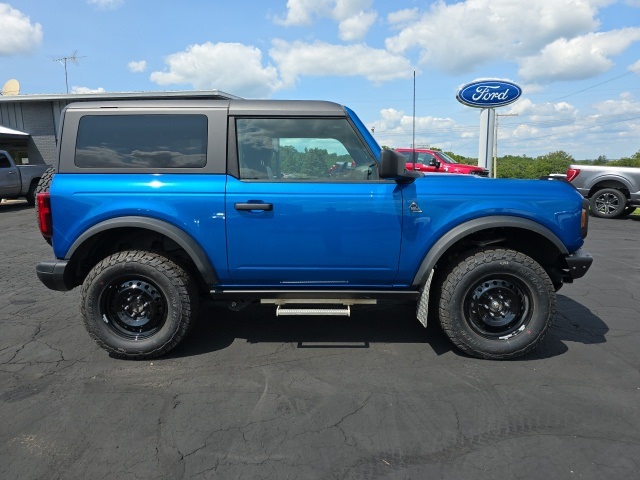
pixel 187 291
pixel 43 186
pixel 456 273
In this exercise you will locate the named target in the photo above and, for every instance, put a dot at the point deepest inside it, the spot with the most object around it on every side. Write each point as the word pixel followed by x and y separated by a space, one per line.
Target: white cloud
pixel 395 129
pixel 106 4
pixel 578 58
pixel 137 67
pixel 353 16
pixel 230 67
pixel 558 112
pixel 357 26
pixel 295 59
pixel 625 104
pixel 84 90
pixel 18 34
pixel 459 37
pixel 403 18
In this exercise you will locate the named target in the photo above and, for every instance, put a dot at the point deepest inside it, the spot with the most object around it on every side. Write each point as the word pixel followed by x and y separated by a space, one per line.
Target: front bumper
pixel 578 264
pixel 55 275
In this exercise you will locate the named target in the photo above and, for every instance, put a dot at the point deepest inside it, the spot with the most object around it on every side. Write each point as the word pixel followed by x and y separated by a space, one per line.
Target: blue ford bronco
pixel 152 204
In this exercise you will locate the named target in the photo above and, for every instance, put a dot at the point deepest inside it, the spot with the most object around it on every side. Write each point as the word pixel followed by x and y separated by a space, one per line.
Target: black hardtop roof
pixel 235 107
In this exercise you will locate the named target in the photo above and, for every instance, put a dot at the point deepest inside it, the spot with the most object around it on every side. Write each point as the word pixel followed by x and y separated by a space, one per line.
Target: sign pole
pixel 485 149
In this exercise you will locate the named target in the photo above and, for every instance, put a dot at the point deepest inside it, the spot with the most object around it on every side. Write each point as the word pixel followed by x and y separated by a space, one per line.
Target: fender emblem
pixel 415 208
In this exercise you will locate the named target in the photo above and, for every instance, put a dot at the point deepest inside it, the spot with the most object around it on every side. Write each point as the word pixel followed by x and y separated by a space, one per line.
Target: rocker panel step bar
pixel 316 306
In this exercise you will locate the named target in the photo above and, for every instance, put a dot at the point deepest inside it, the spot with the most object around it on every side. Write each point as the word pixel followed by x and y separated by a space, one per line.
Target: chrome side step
pixel 333 312
pixel 317 307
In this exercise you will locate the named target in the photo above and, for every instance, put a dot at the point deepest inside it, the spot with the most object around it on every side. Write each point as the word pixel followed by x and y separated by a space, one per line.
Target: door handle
pixel 267 207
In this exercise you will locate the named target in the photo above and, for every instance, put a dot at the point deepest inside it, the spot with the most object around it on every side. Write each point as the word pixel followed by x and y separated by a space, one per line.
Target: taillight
pixel 584 221
pixel 44 214
pixel 572 173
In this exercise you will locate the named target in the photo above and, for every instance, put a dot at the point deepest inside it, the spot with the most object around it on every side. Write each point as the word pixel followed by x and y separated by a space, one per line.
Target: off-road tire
pixel 138 305
pixel 43 186
pixel 496 304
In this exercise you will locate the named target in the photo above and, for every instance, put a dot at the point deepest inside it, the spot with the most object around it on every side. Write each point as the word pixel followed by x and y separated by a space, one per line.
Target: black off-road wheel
pixel 496 304
pixel 608 203
pixel 138 305
pixel 43 186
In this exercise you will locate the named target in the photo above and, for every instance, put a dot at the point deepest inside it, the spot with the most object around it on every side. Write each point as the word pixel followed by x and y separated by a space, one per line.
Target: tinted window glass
pixel 4 161
pixel 142 141
pixel 317 149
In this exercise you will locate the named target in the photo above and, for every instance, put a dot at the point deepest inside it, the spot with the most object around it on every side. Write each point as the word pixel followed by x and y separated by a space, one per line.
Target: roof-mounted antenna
pixel 413 137
pixel 63 61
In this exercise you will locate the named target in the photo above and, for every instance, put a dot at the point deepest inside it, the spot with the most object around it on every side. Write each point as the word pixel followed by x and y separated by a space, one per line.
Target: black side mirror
pixel 393 165
pixel 435 163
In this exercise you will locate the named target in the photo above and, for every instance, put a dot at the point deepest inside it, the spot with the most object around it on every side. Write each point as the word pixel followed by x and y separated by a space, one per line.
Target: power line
pixel 601 83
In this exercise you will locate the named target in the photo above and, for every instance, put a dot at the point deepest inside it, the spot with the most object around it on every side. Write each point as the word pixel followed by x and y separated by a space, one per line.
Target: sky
pixel 577 61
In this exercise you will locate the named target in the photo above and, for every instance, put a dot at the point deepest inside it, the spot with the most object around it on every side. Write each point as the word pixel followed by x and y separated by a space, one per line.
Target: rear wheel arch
pixel 610 183
pixel 151 234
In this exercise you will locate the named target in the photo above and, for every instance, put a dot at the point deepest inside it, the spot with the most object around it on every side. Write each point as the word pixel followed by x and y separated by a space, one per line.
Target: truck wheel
pixel 497 304
pixel 608 203
pixel 43 186
pixel 31 194
pixel 138 304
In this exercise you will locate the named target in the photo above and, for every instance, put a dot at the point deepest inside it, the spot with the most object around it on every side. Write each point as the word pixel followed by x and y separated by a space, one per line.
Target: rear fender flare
pixel 186 242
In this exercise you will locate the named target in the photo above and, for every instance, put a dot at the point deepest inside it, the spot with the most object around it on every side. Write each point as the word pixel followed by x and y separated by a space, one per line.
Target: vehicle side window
pixel 4 161
pixel 425 158
pixel 294 149
pixel 142 141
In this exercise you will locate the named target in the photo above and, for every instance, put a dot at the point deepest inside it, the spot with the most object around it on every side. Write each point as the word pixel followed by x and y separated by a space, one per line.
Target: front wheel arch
pixel 512 232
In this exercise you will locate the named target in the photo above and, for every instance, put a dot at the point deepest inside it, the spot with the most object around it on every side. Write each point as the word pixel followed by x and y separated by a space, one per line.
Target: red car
pixel 435 161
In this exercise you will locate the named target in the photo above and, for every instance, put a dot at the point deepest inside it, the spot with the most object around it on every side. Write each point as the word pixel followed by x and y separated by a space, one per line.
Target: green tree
pixel 632 161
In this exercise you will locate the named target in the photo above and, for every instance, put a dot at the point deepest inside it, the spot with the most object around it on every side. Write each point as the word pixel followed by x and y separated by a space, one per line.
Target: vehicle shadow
pixel 574 323
pixel 217 328
pixel 14 206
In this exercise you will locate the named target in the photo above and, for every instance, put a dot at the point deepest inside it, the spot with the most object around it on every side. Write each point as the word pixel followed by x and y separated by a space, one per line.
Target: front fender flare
pixel 179 236
pixel 465 229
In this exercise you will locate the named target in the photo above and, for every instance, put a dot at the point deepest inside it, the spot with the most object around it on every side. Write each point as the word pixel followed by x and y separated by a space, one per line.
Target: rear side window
pixel 142 141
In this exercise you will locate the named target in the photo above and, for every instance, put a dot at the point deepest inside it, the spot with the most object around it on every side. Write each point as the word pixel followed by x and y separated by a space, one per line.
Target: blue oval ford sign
pixel 488 93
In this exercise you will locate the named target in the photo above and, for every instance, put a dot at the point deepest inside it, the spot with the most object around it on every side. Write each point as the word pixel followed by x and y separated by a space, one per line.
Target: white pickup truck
pixel 19 180
pixel 612 191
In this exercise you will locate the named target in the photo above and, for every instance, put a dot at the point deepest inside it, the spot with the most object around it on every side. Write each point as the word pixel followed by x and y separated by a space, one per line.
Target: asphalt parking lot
pixel 249 395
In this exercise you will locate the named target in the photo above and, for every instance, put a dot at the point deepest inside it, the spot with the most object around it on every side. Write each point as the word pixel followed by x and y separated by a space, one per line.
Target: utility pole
pixel 495 142
pixel 63 61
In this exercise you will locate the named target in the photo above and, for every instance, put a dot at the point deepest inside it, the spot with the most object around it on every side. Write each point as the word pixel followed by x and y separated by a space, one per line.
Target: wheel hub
pixel 496 306
pixel 607 203
pixel 135 307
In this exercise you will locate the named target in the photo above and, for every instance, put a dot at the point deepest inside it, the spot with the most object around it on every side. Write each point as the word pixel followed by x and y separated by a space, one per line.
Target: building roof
pixel 7 134
pixel 72 97
pixel 10 131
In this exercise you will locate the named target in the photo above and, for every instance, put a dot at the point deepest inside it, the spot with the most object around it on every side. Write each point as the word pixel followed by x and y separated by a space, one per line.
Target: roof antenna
pixel 413 138
pixel 63 61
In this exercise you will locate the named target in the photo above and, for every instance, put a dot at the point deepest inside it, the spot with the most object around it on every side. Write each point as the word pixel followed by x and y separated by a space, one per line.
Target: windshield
pixel 446 157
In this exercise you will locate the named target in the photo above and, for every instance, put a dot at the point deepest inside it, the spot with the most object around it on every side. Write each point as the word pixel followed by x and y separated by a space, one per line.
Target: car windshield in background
pixel 446 158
